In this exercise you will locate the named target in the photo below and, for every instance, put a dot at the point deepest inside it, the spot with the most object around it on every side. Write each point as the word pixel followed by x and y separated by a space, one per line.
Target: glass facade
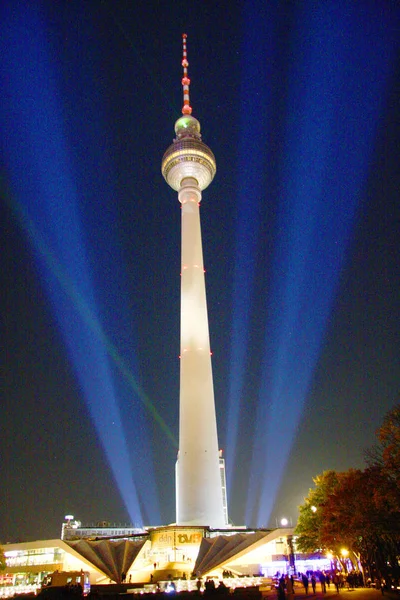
pixel 36 556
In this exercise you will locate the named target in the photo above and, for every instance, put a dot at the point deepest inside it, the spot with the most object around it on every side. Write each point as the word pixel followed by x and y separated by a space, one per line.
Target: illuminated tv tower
pixel 188 166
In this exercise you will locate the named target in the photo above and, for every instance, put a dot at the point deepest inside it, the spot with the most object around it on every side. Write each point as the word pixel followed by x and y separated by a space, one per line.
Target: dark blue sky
pixel 299 103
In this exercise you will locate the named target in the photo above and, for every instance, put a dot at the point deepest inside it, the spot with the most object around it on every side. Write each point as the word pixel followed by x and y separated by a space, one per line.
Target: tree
pixel 2 560
pixel 384 457
pixel 351 518
pixel 359 509
pixel 386 454
pixel 341 513
pixel 309 525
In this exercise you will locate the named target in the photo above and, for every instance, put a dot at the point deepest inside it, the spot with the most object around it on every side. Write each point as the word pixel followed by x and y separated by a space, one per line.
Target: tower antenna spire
pixel 186 109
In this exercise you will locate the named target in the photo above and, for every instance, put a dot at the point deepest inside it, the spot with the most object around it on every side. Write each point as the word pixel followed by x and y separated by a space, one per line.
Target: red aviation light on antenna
pixel 186 109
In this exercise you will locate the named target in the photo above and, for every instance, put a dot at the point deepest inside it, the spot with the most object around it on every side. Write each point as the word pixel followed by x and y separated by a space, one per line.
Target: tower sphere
pixel 188 156
pixel 187 126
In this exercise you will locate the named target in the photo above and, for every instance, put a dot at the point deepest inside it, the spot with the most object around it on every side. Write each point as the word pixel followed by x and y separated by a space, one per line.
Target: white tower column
pixel 199 492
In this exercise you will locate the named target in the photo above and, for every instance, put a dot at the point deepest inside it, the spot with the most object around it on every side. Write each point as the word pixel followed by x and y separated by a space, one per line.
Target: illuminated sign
pixel 189 538
pixel 174 537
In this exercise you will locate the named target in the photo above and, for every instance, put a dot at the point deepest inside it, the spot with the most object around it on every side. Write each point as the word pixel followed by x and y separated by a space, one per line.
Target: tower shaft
pixel 198 485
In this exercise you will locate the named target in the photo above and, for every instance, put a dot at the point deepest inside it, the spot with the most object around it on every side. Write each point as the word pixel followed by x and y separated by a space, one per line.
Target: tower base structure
pixel 148 560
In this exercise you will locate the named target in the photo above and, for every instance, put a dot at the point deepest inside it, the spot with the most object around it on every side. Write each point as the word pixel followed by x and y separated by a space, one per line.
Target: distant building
pixel 73 530
pixel 223 485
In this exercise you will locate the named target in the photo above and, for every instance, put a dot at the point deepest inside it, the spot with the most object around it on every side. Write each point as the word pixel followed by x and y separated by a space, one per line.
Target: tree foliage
pixel 310 521
pixel 386 455
pixel 359 509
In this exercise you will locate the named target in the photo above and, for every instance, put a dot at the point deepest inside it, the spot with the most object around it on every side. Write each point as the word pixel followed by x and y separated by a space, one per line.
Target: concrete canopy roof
pixel 111 557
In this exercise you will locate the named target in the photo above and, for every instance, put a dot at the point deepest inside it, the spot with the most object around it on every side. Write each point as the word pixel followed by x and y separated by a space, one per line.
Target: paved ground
pixel 344 594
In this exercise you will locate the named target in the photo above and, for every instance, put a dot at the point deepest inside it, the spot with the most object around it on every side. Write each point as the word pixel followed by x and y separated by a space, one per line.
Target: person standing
pixel 336 582
pixel 281 589
pixel 380 585
pixel 305 582
pixel 313 583
pixel 322 580
pixel 289 587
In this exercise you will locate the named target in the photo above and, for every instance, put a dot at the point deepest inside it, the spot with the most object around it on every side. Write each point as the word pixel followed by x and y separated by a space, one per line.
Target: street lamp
pixel 345 554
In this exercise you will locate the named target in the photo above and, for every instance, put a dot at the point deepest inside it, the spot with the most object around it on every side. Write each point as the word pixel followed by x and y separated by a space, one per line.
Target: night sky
pixel 299 102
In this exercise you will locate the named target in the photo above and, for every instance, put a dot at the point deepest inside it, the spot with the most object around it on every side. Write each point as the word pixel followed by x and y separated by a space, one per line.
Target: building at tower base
pixel 157 555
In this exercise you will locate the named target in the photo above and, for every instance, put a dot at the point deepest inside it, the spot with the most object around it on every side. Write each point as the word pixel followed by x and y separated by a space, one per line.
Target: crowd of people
pixel 286 583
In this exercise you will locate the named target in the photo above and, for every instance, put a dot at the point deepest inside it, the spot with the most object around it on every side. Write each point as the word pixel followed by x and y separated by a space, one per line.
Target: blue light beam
pixel 333 111
pixel 251 184
pixel 41 174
